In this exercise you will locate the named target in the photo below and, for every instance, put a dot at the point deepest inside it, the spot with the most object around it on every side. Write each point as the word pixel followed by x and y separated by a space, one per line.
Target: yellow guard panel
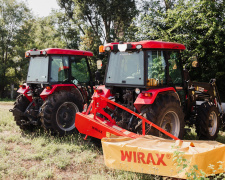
pixel 153 155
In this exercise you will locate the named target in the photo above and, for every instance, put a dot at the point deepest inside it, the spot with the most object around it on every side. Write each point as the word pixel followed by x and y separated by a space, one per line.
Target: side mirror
pixel 99 64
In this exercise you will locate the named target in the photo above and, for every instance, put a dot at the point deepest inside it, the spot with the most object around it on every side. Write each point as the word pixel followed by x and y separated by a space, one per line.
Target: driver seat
pixel 152 82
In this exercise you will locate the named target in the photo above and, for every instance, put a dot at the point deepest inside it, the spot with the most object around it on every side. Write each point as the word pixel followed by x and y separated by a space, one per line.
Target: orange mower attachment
pixel 95 126
pixel 129 151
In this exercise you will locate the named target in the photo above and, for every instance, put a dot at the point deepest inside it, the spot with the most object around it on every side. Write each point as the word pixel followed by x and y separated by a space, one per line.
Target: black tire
pixel 22 103
pixel 58 112
pixel 207 121
pixel 165 109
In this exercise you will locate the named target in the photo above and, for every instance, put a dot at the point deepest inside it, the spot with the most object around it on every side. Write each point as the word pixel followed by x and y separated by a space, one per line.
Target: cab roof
pixel 58 51
pixel 150 44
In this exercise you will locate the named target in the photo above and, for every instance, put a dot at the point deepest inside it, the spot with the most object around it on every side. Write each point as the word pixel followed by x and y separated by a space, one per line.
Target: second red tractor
pixel 58 84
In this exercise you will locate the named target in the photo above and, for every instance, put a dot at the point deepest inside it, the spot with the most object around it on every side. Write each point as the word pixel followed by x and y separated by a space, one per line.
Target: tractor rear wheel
pixel 166 113
pixel 22 121
pixel 207 121
pixel 58 112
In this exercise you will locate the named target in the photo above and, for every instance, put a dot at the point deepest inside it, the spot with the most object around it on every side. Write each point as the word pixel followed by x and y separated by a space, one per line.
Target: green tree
pixel 45 35
pixel 67 29
pixel 101 21
pixel 14 30
pixel 199 25
pixel 55 31
pixel 107 19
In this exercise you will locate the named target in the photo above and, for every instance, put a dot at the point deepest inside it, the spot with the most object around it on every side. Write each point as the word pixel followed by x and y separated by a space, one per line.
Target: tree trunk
pixel 12 91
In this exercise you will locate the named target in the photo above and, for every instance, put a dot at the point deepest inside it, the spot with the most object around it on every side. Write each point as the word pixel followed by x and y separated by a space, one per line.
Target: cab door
pixel 80 75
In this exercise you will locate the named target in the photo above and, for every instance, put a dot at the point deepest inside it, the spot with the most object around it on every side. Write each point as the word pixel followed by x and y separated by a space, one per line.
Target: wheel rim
pixel 65 116
pixel 212 123
pixel 171 124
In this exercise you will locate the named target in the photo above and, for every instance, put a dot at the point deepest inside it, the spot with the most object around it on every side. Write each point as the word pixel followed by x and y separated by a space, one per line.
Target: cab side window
pixel 59 68
pixel 156 68
pixel 79 70
pixel 175 71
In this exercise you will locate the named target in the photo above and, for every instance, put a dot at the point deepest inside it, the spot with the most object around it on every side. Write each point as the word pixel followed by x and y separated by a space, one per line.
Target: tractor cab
pixel 144 64
pixel 53 66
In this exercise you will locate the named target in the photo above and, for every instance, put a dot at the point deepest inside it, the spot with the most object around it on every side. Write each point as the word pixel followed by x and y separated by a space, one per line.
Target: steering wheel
pixel 153 82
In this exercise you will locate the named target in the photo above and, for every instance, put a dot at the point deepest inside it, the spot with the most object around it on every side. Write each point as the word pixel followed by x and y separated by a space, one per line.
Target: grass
pixel 39 155
pixel 2 100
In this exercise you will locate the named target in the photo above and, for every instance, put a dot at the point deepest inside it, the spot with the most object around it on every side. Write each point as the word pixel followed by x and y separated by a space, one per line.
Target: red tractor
pixel 58 84
pixel 147 78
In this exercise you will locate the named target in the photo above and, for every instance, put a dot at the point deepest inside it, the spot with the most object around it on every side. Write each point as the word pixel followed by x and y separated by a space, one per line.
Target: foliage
pixel 15 26
pixel 87 24
pixel 107 19
pixel 199 25
pixel 20 31
pixel 45 34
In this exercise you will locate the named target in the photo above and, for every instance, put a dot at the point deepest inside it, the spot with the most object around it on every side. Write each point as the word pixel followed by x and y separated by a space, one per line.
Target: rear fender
pixel 145 100
pixel 25 89
pixel 59 87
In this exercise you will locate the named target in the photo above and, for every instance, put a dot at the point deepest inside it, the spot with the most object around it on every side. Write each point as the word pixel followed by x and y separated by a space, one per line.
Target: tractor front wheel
pixel 166 113
pixel 59 111
pixel 22 121
pixel 207 121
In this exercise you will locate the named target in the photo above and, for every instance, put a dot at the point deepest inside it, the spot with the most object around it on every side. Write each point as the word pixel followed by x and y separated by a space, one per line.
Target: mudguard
pixel 142 99
pixel 58 87
pixel 25 89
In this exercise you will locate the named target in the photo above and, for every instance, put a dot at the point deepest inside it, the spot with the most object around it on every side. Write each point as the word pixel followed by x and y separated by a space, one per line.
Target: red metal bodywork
pixel 151 45
pixel 24 90
pixel 57 87
pixel 143 100
pixel 64 52
pixel 46 92
pixel 104 92
pixel 140 100
pixel 97 127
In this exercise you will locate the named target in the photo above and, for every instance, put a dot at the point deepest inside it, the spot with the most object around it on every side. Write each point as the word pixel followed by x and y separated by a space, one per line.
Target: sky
pixel 42 8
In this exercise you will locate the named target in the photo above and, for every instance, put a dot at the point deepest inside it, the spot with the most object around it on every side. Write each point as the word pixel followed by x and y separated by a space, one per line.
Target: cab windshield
pixel 38 69
pixel 126 68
